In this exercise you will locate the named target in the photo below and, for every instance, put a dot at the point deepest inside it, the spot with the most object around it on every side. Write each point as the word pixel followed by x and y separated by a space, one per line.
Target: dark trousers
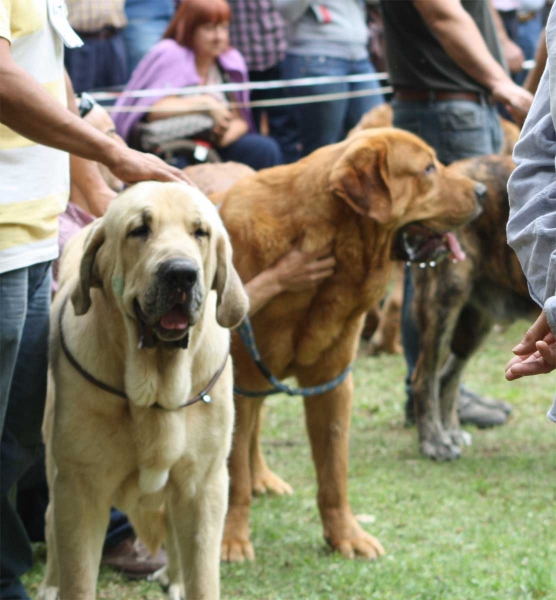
pixel 99 63
pixel 282 124
pixel 255 150
pixel 24 321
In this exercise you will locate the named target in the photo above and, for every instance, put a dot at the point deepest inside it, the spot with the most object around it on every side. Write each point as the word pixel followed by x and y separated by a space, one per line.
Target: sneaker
pixel 133 559
pixel 482 412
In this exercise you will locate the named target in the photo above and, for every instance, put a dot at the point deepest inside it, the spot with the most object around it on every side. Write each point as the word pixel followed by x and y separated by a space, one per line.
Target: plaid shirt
pixel 90 16
pixel 257 31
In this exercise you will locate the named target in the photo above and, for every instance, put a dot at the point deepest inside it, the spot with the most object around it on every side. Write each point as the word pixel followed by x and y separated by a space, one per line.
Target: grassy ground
pixel 479 528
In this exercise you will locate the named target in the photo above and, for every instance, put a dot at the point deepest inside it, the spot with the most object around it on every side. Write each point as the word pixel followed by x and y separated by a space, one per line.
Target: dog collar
pixel 202 395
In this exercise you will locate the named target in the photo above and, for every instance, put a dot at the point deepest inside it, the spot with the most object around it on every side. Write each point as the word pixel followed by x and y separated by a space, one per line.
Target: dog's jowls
pixel 149 291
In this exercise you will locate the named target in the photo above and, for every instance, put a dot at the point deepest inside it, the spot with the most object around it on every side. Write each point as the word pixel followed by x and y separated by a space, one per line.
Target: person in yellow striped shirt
pixel 37 134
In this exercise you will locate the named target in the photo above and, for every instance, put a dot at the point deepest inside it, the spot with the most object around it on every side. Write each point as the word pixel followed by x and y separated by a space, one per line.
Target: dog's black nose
pixel 179 274
pixel 480 192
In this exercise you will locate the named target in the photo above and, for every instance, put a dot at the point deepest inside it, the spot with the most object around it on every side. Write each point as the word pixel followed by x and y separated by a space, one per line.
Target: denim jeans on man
pixel 322 123
pixel 24 322
pixel 456 129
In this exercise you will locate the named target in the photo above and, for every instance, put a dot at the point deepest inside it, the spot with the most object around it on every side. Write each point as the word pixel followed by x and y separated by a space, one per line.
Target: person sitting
pixel 195 51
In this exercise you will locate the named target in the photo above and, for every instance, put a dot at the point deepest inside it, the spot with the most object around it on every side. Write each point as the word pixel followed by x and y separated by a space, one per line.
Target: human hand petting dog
pixel 296 271
pixel 535 354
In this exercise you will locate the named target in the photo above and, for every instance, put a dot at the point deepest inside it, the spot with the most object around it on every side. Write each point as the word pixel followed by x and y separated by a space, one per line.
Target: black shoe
pixel 482 412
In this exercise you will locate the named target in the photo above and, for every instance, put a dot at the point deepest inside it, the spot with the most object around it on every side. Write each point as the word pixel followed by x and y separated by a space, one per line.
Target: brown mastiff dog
pixel 363 197
pixel 456 305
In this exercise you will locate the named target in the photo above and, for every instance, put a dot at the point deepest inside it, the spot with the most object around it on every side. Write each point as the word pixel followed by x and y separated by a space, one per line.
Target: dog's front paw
pixel 176 592
pixel 235 550
pixel 350 539
pixel 266 481
pixel 440 449
pixel 48 593
pixel 461 438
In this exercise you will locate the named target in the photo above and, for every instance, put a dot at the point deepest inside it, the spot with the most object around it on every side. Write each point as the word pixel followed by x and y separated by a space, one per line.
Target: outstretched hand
pixel 535 354
pixel 132 166
pixel 299 270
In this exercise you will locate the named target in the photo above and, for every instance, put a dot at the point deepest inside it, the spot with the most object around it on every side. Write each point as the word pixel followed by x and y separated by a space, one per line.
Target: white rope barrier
pixel 238 87
pixel 291 101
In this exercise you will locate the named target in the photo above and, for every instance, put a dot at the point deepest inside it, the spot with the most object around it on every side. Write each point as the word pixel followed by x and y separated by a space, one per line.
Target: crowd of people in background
pixel 453 65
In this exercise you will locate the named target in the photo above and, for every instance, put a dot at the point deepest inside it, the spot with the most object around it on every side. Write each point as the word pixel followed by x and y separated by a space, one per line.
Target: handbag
pixel 150 136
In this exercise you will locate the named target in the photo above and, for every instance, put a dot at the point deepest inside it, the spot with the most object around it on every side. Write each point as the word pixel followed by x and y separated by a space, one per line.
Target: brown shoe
pixel 133 559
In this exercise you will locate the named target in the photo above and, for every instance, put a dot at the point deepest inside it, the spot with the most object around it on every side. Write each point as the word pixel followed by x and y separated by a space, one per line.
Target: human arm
pixel 294 272
pixel 93 194
pixel 31 111
pixel 533 78
pixel 460 37
pixel 513 53
pixel 531 228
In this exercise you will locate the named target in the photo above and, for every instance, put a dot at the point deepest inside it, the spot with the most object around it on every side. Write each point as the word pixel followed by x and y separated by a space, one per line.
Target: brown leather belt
pixel 437 95
pixel 525 17
pixel 103 34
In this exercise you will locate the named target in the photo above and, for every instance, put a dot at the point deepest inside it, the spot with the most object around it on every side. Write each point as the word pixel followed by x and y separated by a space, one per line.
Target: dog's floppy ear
pixel 81 296
pixel 233 303
pixel 360 177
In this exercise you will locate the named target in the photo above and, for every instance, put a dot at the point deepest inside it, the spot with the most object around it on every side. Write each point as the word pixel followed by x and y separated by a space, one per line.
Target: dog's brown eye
pixel 141 231
pixel 200 233
pixel 430 169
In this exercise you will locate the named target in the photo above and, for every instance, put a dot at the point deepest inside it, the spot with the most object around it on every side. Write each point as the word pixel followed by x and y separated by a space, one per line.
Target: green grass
pixel 479 528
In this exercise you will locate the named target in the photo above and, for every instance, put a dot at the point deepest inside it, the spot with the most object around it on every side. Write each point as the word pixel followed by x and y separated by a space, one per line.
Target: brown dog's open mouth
pixel 419 244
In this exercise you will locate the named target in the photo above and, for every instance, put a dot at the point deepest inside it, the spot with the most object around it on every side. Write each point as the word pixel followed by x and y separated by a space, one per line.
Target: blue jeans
pixel 255 150
pixel 139 36
pixel 322 123
pixel 456 129
pixel 24 324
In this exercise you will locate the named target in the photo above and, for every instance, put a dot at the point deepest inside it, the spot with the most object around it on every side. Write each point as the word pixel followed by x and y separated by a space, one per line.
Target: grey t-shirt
pixel 415 57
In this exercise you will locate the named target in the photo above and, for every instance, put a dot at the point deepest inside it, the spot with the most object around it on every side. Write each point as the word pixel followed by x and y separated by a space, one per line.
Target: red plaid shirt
pixel 257 31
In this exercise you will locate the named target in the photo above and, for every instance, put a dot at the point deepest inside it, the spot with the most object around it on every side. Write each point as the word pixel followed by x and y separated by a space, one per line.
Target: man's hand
pixel 131 167
pixel 535 354
pixel 297 270
pixel 517 99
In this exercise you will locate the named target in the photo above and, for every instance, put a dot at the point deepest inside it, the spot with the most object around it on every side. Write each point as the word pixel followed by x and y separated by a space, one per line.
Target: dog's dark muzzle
pixel 174 300
pixel 178 275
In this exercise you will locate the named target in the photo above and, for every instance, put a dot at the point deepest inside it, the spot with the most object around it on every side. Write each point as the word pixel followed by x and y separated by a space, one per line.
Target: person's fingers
pixel 325 263
pixel 536 332
pixel 548 354
pixel 529 368
pixel 318 275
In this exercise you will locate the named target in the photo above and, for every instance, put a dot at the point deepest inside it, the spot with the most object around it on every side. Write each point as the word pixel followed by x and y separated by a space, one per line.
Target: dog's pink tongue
pixel 457 253
pixel 174 319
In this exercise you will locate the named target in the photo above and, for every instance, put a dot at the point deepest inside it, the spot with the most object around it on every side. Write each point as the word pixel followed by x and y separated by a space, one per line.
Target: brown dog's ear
pixel 81 296
pixel 233 303
pixel 360 177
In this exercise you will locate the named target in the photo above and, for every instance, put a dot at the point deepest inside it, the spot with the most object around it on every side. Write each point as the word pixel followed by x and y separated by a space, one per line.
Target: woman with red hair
pixel 196 51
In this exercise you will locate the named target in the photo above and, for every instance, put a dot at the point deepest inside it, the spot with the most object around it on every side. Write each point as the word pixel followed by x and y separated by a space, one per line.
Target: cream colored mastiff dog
pixel 140 412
